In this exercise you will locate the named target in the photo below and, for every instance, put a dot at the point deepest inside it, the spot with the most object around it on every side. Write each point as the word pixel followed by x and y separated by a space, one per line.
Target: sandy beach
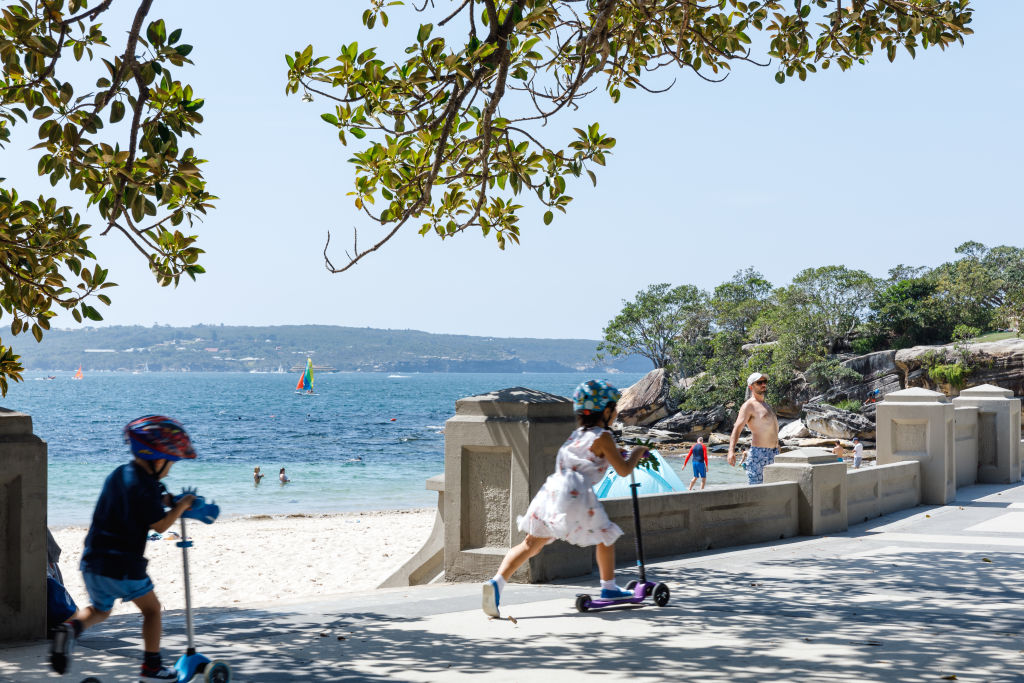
pixel 248 560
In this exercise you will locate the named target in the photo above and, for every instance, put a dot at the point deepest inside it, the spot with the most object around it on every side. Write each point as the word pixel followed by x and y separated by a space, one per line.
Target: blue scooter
pixel 643 588
pixel 192 663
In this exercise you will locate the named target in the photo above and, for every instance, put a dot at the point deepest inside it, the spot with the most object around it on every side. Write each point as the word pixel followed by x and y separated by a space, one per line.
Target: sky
pixel 881 165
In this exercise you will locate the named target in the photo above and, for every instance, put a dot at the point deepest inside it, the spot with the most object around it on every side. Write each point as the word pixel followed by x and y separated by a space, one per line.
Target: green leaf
pixel 116 111
pixel 548 217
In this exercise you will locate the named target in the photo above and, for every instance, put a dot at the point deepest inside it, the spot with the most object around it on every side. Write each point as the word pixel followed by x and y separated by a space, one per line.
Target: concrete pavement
pixel 928 594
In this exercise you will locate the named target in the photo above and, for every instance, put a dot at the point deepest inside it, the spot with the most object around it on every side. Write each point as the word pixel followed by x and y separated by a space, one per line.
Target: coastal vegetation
pixel 453 134
pixel 801 332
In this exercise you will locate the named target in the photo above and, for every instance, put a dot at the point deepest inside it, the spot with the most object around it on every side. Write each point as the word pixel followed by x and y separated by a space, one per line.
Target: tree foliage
pixel 114 136
pixel 658 324
pixel 459 132
pixel 739 302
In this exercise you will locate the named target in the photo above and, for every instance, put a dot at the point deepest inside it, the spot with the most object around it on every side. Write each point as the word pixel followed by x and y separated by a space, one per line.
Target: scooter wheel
pixel 661 595
pixel 631 585
pixel 217 672
pixel 583 603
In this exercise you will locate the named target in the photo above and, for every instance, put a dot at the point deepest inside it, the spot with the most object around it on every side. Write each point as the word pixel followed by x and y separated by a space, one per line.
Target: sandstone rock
pixel 1000 363
pixel 879 371
pixel 815 443
pixel 689 424
pixel 794 430
pixel 797 395
pixel 824 420
pixel 644 403
pixel 717 439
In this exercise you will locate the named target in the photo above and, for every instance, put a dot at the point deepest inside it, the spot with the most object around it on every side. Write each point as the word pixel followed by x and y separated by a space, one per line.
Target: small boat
pixel 305 385
pixel 78 373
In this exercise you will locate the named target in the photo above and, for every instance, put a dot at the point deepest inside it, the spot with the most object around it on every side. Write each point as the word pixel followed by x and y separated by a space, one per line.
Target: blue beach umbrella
pixel 665 480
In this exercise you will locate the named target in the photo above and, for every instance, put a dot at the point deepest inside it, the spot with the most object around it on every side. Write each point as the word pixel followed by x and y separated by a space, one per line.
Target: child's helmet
pixel 157 437
pixel 593 396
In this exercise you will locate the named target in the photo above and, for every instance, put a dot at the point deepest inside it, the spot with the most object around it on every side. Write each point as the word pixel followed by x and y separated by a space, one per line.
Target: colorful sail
pixel 306 379
pixel 78 374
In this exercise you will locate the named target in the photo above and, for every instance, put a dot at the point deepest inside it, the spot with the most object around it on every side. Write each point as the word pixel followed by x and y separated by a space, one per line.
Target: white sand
pixel 235 562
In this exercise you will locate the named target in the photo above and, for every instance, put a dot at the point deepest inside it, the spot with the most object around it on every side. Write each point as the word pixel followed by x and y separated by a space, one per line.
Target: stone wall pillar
pixel 499 448
pixel 917 424
pixel 999 457
pixel 822 483
pixel 22 529
pixel 965 449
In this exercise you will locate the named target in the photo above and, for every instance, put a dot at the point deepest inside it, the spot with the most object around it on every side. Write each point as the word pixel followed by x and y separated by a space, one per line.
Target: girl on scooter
pixel 566 507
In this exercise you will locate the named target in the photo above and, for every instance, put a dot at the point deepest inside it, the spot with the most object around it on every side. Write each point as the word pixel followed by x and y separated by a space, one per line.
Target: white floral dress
pixel 566 506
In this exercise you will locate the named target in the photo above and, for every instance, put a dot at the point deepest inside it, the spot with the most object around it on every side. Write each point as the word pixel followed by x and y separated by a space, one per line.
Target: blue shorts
pixel 757 459
pixel 105 591
pixel 699 470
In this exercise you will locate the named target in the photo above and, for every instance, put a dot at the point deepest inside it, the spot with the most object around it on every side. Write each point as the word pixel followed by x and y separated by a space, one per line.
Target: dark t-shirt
pixel 130 502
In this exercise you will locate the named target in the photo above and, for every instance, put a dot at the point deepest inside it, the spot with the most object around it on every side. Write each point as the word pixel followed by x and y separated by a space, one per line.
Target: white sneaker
pixel 492 599
pixel 62 646
pixel 162 674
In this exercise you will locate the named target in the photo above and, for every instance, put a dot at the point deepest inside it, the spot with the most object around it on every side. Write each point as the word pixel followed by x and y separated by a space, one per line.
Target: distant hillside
pixel 226 348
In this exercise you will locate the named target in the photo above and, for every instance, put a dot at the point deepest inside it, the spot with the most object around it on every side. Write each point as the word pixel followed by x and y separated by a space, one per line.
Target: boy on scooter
pixel 113 567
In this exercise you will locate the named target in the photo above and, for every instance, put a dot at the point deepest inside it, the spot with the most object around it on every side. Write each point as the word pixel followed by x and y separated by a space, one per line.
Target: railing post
pixel 999 457
pixel 918 424
pixel 822 483
pixel 22 529
pixel 499 448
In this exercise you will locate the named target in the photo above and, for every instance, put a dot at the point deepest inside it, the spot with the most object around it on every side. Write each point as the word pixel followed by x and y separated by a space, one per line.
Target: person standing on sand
pixel 759 417
pixel 566 507
pixel 257 475
pixel 700 463
pixel 858 452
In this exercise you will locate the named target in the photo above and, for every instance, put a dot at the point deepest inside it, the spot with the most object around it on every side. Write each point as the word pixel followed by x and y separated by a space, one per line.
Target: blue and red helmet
pixel 157 437
pixel 593 396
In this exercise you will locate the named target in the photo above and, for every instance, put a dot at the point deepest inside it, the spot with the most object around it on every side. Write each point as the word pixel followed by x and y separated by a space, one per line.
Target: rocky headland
pixel 810 418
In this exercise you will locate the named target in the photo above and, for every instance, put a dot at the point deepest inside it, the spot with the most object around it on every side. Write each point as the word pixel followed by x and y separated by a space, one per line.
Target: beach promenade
pixel 928 594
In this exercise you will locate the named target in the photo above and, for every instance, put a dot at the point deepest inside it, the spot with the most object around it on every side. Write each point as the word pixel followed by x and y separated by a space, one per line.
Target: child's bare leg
pixel 703 483
pixel 515 557
pixel 692 482
pixel 89 616
pixel 605 561
pixel 151 626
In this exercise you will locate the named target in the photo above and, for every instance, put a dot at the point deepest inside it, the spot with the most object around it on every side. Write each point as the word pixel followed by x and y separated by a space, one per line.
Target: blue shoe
pixel 615 594
pixel 492 599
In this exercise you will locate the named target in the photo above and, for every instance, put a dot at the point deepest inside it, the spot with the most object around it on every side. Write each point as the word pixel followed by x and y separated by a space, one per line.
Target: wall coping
pixel 916 395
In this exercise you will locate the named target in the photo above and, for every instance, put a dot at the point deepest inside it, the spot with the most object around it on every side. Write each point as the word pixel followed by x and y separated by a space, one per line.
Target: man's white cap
pixel 754 376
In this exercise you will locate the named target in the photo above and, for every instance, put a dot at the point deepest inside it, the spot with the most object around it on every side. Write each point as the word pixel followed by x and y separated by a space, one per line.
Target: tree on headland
pixel 114 136
pixel 460 133
pixel 660 324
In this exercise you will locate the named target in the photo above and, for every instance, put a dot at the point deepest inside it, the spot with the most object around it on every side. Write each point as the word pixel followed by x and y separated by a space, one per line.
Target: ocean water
pixel 366 441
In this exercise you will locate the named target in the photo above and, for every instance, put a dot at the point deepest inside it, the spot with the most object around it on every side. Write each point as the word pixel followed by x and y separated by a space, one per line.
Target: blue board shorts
pixel 105 591
pixel 757 459
pixel 699 470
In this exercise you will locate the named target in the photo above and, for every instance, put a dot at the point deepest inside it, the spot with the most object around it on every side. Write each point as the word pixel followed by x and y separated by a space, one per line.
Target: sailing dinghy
pixel 305 385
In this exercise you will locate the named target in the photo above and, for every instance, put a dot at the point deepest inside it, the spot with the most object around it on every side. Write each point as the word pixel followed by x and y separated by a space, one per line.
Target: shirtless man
pixel 764 430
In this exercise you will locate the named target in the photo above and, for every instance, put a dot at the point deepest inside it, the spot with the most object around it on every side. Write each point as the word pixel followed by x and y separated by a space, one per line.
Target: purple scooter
pixel 642 589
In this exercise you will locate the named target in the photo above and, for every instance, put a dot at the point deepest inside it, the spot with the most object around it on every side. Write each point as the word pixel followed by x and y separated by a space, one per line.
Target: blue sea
pixel 365 441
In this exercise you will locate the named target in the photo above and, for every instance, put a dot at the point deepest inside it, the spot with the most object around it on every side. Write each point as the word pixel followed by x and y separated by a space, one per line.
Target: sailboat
pixel 78 373
pixel 305 385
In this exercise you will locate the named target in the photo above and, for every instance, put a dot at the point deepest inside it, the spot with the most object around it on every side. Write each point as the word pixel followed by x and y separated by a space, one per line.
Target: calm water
pixel 365 442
